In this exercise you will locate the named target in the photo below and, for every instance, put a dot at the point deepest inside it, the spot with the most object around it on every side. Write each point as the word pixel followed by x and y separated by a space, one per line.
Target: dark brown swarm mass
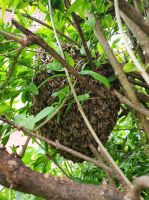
pixel 68 127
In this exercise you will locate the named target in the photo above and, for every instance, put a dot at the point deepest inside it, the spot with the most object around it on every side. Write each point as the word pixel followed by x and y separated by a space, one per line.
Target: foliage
pixel 127 143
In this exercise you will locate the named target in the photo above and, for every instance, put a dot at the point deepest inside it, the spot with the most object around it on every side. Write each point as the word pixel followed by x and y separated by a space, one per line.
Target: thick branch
pixel 142 97
pixel 142 38
pixel 140 183
pixel 135 106
pixel 129 50
pixel 14 174
pixel 132 14
pixel 135 82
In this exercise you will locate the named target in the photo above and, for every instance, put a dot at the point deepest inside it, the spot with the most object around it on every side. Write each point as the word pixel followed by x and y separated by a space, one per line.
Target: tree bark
pixel 15 175
pixel 132 14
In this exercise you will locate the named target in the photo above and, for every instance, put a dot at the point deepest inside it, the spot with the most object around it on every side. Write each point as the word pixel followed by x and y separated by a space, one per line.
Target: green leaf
pixel 26 122
pixel 69 59
pixel 61 94
pixel 91 22
pixel 42 8
pixel 3 5
pixel 115 43
pixel 108 21
pixel 19 118
pixel 33 89
pixel 129 67
pixel 100 48
pixel 96 76
pixel 4 108
pixel 83 97
pixel 43 113
pixel 55 66
pixel 75 6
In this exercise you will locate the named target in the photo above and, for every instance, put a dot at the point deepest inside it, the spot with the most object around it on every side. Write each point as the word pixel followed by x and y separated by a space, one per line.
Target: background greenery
pixel 126 143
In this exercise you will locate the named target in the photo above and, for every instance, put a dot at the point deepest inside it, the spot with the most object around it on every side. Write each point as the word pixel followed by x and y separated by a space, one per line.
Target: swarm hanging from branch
pixel 68 126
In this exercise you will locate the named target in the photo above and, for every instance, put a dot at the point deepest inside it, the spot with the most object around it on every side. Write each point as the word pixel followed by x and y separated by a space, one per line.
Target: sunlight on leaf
pixel 96 76
pixel 43 113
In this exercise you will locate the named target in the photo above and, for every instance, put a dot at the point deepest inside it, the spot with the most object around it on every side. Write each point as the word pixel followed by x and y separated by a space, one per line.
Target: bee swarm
pixel 68 126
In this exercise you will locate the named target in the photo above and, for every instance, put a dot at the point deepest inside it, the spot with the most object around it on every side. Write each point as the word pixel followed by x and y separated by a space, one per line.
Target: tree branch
pixel 142 38
pixel 139 184
pixel 130 52
pixel 11 68
pixel 142 97
pixel 133 105
pixel 11 36
pixel 135 82
pixel 22 152
pixel 131 13
pixel 78 27
pixel 15 175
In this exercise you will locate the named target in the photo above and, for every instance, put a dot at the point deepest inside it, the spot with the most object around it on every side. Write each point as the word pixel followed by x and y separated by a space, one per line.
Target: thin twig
pixel 78 27
pixel 136 6
pixel 49 27
pixel 131 80
pixel 13 51
pixel 11 69
pixel 10 36
pixel 98 157
pixel 22 152
pixel 50 157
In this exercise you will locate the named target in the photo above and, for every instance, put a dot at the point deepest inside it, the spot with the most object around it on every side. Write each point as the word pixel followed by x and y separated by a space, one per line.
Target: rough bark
pixel 14 174
pixel 132 14
pixel 142 38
